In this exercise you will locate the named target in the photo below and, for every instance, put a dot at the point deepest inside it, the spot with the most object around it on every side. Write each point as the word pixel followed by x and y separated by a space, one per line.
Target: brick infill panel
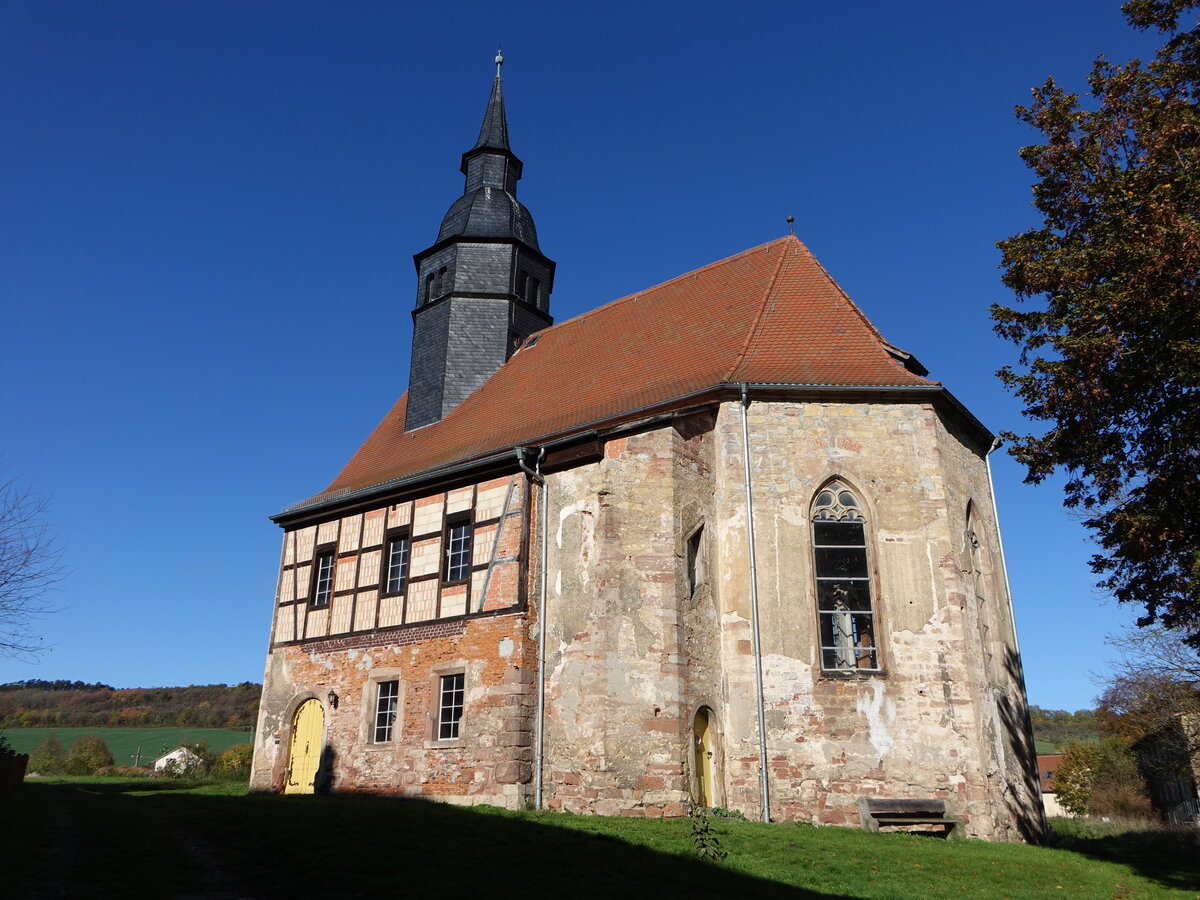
pixel 400 638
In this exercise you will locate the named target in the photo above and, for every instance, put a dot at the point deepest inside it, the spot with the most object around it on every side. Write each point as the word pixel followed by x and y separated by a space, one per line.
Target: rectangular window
pixel 397 564
pixel 458 551
pixel 844 596
pixel 385 710
pixel 450 709
pixel 323 578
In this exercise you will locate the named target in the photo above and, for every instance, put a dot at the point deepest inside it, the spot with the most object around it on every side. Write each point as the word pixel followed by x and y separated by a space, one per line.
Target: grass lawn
pixel 165 838
pixel 124 742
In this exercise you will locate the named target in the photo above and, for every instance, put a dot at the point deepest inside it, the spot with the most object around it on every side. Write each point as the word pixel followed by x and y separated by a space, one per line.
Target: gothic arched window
pixel 847 617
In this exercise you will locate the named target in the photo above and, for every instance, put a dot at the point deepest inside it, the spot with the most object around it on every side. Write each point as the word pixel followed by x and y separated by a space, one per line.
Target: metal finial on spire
pixel 791 226
pixel 499 61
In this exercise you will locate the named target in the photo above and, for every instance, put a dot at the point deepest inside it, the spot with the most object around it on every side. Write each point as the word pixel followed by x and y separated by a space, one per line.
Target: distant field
pixel 124 742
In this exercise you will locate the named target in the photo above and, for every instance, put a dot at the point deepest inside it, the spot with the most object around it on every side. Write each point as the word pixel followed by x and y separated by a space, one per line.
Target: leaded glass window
pixel 844 607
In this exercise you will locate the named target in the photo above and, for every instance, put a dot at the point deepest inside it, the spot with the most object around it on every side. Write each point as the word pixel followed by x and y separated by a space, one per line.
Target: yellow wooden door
pixel 705 759
pixel 307 730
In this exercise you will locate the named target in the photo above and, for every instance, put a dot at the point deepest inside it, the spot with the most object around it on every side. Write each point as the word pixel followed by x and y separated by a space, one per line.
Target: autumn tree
pixel 1109 332
pixel 1153 692
pixel 1101 778
pixel 89 753
pixel 47 757
pixel 29 566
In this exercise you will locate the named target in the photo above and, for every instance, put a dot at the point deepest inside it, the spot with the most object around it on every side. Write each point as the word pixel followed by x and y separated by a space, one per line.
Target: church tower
pixel 484 286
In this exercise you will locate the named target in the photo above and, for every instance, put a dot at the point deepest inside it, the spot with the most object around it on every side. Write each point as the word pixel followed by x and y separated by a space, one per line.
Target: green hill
pixel 124 743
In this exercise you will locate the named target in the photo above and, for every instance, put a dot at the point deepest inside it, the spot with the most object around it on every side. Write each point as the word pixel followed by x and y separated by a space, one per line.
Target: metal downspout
pixel 1012 619
pixel 758 677
pixel 536 474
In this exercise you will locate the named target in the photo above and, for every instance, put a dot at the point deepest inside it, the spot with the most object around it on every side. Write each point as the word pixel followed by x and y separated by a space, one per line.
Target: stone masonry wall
pixel 617 720
pixel 911 730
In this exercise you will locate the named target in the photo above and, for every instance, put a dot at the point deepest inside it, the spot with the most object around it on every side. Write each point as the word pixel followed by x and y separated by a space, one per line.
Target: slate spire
pixel 484 286
pixel 494 132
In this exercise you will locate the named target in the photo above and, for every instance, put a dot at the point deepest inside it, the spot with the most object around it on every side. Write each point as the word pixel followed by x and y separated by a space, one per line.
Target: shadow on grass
pixel 1169 856
pixel 101 841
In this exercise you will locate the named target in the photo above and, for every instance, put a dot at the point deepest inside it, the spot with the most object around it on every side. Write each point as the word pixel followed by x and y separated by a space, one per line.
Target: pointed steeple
pixel 484 286
pixel 491 162
pixel 494 132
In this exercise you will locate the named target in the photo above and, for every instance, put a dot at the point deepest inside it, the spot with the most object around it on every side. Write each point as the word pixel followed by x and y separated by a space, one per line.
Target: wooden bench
pixel 876 812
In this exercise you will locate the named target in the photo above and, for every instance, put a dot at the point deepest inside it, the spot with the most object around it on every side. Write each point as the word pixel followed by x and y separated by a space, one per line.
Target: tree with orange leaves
pixel 1110 334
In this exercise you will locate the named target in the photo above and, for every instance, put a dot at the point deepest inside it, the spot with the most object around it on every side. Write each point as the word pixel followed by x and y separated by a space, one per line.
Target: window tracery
pixel 840 563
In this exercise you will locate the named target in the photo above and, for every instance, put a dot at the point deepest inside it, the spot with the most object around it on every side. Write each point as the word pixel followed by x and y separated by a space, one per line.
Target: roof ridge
pixel 875 332
pixel 662 284
pixel 758 316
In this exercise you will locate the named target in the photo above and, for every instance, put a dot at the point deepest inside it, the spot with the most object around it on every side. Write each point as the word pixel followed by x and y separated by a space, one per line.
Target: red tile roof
pixel 769 315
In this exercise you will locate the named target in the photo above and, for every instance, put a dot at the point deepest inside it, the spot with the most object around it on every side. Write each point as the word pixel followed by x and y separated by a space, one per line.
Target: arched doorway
pixel 705 758
pixel 308 728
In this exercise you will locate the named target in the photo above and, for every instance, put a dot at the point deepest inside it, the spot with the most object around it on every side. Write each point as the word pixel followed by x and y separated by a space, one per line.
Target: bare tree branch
pixel 30 565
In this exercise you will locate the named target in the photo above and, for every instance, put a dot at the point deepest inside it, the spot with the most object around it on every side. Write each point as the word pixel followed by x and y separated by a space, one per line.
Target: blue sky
pixel 210 209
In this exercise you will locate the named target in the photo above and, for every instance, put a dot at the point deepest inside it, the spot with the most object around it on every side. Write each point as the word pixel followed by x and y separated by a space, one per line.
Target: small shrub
pixel 705 841
pixel 722 813
pixel 1101 779
pixel 47 757
pixel 235 762
pixel 86 755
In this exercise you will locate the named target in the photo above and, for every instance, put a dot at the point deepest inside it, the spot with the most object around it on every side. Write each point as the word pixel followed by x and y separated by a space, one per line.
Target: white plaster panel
pixel 391 610
pixel 339 618
pixel 426 558
pixel 459 501
pixel 317 623
pixel 399 515
pixel 454 601
pixel 304 543
pixel 427 518
pixel 422 601
pixel 351 526
pixel 364 610
pixel 373 528
pixel 368 568
pixel 481 550
pixel 344 574
pixel 327 533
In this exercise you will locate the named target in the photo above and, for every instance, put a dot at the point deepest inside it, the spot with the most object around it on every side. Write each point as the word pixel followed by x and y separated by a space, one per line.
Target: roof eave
pixel 506 456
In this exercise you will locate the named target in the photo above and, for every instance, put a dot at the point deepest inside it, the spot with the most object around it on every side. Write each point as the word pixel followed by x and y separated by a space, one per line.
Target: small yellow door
pixel 702 734
pixel 307 730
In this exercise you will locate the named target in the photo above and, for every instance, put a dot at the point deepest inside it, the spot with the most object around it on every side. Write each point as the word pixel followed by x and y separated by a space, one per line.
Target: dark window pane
pixel 323 589
pixel 838 534
pixel 841 562
pixel 852 595
pixel 847 499
pixel 397 565
pixel 825 498
pixel 458 552
pixel 847 641
pixel 451 706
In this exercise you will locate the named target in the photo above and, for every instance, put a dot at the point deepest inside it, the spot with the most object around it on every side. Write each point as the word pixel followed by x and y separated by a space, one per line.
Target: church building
pixel 716 543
